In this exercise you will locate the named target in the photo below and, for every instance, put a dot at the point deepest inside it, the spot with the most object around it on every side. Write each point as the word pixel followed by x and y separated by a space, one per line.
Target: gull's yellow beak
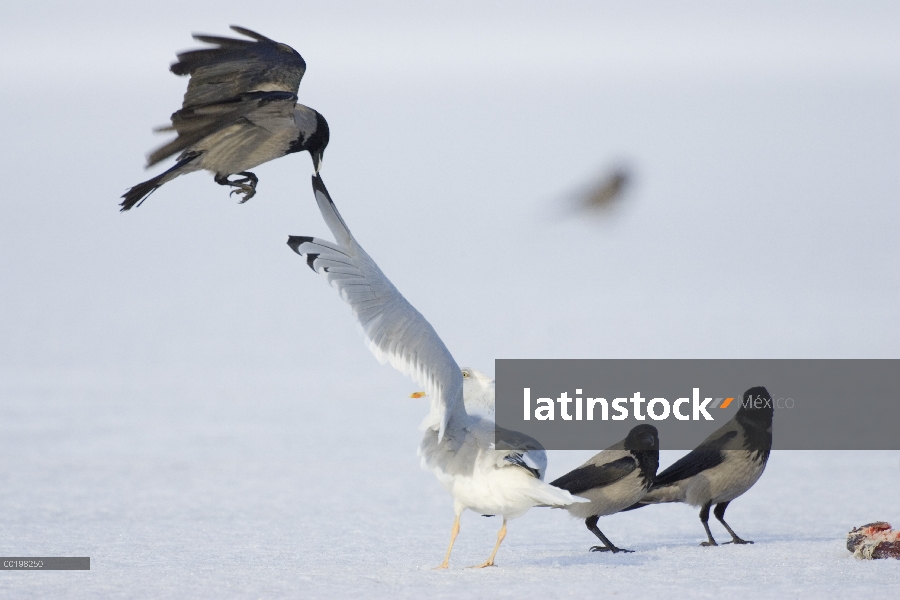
pixel 418 395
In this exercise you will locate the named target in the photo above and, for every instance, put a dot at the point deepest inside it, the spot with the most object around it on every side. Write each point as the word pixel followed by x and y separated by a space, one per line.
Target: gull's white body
pixel 477 476
pixel 457 445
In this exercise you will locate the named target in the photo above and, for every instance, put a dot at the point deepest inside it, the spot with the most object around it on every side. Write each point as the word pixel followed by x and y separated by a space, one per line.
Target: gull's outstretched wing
pixel 394 330
pixel 234 66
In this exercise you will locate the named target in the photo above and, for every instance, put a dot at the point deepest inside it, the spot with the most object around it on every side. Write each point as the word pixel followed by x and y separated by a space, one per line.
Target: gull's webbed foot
pixel 488 563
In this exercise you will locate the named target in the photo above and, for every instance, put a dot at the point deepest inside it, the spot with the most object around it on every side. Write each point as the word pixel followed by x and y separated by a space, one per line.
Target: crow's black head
pixel 642 437
pixel 755 416
pixel 316 143
pixel 643 443
pixel 757 405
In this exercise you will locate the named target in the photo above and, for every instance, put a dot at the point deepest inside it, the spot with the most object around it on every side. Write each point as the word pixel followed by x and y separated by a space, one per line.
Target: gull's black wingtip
pixel 319 185
pixel 294 242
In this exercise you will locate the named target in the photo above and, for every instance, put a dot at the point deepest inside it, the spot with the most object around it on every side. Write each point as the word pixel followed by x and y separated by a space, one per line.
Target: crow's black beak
pixel 317 160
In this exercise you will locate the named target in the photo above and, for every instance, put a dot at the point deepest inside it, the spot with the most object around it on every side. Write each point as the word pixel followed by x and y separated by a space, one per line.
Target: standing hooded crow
pixel 723 467
pixel 613 480
pixel 240 111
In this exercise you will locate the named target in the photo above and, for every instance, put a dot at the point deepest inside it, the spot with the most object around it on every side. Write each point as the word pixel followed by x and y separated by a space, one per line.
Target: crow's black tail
pixel 136 195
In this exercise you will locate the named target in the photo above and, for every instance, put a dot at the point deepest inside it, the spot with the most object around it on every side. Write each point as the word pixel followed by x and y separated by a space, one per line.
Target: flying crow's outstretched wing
pixel 231 81
pixel 236 66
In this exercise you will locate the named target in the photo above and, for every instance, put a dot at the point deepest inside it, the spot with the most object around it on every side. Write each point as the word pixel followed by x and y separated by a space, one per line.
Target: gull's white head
pixel 478 392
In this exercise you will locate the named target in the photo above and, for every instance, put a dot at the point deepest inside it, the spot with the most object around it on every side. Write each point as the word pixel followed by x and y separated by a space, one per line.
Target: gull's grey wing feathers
pixel 508 439
pixel 395 331
pixel 198 122
pixel 236 66
pixel 518 460
pixel 524 447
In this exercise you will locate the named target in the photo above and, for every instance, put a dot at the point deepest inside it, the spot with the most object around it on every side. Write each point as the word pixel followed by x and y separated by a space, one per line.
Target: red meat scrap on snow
pixel 875 540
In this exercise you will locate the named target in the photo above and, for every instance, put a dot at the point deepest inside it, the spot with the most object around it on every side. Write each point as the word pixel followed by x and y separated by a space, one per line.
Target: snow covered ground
pixel 253 489
pixel 183 401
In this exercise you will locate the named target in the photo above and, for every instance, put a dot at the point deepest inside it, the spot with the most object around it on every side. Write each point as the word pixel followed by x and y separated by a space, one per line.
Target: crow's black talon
pixel 613 549
pixel 244 186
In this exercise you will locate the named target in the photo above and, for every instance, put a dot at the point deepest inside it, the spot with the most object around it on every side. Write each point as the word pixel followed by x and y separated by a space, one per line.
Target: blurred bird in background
pixel 600 196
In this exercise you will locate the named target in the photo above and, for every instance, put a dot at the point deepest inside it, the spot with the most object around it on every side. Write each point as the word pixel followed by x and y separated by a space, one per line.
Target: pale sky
pixel 762 222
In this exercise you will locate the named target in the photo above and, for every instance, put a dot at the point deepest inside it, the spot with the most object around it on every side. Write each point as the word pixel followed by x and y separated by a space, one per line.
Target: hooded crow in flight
pixel 613 479
pixel 723 467
pixel 240 111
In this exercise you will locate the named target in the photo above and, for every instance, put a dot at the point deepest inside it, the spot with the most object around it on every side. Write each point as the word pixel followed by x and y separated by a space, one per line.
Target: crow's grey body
pixel 723 466
pixel 240 111
pixel 613 480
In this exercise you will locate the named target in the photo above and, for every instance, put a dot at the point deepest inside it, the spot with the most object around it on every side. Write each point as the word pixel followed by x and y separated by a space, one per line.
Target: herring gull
pixel 458 441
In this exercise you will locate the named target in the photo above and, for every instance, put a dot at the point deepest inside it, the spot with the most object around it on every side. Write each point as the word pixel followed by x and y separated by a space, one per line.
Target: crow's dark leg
pixel 249 176
pixel 720 515
pixel 591 524
pixel 246 185
pixel 704 518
